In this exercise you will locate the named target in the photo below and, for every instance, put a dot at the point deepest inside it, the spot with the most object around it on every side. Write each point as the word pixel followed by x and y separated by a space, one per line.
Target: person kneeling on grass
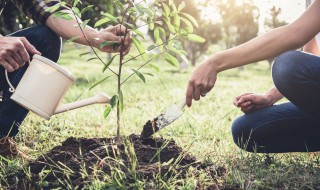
pixel 17 49
pixel 268 128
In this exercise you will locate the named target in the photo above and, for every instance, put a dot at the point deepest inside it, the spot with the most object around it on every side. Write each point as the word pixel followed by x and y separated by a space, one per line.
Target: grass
pixel 204 128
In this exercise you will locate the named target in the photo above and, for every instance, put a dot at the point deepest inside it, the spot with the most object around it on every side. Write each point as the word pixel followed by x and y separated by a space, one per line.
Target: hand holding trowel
pixel 164 119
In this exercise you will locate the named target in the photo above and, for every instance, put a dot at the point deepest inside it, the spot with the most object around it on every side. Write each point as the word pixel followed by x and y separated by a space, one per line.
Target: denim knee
pixel 286 70
pixel 50 42
pixel 44 40
pixel 242 133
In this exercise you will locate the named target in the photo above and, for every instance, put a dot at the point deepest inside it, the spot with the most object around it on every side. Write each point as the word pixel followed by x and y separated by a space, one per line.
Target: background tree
pixel 239 21
pixel 273 21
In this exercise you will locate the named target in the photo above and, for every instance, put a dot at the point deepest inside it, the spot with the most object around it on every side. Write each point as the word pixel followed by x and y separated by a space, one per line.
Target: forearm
pixel 274 95
pixel 69 28
pixel 312 47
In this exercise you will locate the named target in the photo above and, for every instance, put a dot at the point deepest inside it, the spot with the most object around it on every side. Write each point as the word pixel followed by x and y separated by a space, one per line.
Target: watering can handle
pixel 11 89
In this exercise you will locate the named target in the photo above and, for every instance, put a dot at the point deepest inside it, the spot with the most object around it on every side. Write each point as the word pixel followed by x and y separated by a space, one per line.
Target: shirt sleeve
pixel 37 10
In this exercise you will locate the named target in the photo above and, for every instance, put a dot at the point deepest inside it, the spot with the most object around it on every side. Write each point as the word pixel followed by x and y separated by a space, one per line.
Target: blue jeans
pixel 12 114
pixel 289 127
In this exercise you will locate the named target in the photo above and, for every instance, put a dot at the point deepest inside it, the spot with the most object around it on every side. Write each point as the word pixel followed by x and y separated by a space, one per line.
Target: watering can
pixel 43 86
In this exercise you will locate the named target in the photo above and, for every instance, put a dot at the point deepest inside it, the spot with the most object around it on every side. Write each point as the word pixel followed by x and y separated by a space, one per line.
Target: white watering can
pixel 43 86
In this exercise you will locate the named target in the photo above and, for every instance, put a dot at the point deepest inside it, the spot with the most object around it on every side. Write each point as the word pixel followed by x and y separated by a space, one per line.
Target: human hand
pixel 118 33
pixel 201 82
pixel 14 52
pixel 249 102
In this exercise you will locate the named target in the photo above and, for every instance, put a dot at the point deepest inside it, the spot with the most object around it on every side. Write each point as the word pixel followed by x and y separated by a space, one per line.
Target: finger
pixel 247 109
pixel 189 94
pixel 12 62
pixel 16 56
pixel 238 97
pixel 245 104
pixel 128 40
pixel 120 29
pixel 126 51
pixel 24 54
pixel 29 47
pixel 197 92
pixel 7 66
pixel 244 99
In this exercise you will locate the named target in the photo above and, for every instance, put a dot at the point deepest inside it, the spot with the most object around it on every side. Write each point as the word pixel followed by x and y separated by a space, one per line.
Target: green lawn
pixel 204 128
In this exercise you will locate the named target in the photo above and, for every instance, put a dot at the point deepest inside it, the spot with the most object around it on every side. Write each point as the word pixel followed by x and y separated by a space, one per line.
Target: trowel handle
pixel 183 103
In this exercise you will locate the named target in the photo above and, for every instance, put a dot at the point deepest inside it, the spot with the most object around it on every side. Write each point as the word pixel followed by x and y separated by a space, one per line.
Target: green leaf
pixel 163 33
pixel 139 33
pixel 148 12
pixel 181 6
pixel 172 60
pixel 166 9
pixel 113 101
pixel 75 3
pixel 108 43
pixel 106 111
pixel 86 9
pixel 65 16
pixel 92 58
pixel 176 21
pixel 139 46
pixel 148 74
pixel 140 75
pixel 97 83
pixel 72 39
pixel 188 24
pixel 170 26
pixel 156 34
pixel 76 11
pixel 191 18
pixel 151 25
pixel 102 21
pixel 139 9
pixel 114 19
pixel 174 8
pixel 195 38
pixel 54 8
pixel 108 63
pixel 86 53
pixel 85 23
pixel 151 47
pixel 121 101
pixel 154 67
pixel 129 25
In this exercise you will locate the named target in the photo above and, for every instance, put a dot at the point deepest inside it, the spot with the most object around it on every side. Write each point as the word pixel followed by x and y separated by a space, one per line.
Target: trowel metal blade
pixel 163 120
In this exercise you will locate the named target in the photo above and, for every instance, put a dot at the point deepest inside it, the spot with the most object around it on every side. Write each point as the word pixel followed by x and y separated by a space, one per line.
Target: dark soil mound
pixel 78 161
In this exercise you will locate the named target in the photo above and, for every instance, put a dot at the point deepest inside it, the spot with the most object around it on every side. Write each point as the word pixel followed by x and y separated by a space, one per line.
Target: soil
pixel 149 128
pixel 76 155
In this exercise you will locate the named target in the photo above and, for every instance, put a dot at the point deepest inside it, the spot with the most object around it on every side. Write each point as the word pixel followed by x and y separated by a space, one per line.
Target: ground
pixel 203 130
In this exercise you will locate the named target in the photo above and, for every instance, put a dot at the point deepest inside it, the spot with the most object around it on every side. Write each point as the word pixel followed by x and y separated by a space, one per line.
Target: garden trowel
pixel 164 119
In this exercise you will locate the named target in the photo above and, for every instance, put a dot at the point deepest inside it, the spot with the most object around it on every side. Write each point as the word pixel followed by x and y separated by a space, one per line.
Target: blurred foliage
pixel 11 19
pixel 239 21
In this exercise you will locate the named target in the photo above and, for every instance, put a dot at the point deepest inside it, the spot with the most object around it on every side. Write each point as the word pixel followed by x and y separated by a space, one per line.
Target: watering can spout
pixel 99 98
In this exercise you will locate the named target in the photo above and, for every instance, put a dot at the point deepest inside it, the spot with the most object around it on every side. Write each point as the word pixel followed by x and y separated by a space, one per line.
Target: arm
pixel 312 47
pixel 265 46
pixel 66 29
